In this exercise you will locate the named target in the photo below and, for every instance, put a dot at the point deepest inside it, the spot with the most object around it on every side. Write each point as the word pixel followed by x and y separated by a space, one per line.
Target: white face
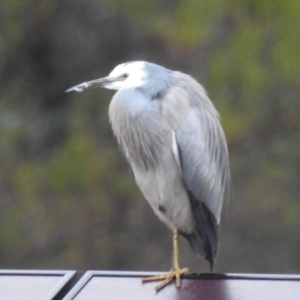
pixel 128 75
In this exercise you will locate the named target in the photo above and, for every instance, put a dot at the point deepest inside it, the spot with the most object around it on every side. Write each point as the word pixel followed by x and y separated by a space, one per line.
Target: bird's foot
pixel 175 273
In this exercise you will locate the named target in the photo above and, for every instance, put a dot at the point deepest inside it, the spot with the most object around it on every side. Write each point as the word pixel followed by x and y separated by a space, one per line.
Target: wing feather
pixel 203 156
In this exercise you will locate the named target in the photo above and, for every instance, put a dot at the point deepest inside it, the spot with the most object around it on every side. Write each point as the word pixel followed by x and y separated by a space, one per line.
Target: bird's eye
pixel 125 75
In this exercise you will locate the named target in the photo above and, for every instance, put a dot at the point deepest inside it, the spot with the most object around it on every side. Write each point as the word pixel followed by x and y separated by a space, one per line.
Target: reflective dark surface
pixel 98 285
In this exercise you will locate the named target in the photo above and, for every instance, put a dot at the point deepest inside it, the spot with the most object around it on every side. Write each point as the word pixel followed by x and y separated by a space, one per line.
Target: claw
pixel 167 278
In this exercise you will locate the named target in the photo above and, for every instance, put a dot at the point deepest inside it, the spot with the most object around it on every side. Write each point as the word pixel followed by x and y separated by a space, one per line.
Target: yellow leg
pixel 175 273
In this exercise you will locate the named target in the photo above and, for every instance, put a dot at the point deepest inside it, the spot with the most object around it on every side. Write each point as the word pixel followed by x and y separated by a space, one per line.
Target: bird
pixel 171 135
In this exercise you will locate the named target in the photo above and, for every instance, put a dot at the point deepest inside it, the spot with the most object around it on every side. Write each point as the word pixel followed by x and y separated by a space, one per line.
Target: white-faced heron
pixel 171 135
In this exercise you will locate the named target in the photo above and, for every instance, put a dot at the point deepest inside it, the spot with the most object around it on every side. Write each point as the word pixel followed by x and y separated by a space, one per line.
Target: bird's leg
pixel 175 273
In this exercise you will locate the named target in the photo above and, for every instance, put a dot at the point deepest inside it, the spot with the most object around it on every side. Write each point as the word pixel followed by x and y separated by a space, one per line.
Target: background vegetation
pixel 66 199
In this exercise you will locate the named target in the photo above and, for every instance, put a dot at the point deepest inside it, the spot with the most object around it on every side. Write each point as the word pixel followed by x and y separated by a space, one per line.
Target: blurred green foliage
pixel 66 197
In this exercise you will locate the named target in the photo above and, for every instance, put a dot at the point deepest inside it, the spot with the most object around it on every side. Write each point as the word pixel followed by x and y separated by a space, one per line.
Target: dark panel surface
pixel 118 285
pixel 33 285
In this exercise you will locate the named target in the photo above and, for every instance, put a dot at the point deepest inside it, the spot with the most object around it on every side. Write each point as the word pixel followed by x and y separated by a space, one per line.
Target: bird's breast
pixel 138 126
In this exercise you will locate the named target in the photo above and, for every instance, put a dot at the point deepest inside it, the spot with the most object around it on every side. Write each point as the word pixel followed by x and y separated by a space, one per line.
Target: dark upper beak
pixel 91 84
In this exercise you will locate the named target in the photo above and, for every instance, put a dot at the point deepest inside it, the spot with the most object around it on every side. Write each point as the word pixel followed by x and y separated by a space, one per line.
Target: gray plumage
pixel 171 136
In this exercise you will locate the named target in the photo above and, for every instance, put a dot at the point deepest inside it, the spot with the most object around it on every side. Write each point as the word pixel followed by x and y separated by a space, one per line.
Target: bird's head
pixel 127 75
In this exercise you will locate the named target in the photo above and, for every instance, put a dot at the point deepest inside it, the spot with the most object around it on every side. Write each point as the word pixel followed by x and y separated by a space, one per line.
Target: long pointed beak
pixel 91 84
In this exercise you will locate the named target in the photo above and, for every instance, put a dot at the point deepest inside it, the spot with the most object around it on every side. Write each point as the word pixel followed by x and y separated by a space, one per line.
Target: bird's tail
pixel 204 240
